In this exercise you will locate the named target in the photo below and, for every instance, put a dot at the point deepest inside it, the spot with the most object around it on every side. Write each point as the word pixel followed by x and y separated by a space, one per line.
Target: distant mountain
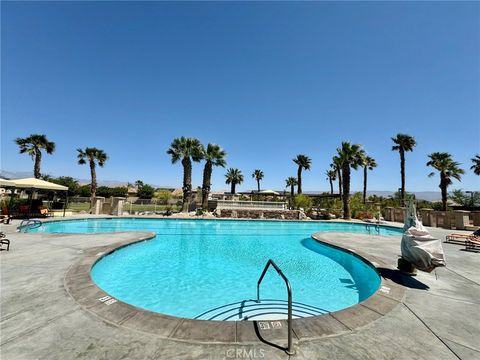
pixel 420 195
pixel 15 174
pixel 27 174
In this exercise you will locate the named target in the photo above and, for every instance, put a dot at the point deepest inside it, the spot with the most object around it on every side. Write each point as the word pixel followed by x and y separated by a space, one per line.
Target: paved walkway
pixel 438 319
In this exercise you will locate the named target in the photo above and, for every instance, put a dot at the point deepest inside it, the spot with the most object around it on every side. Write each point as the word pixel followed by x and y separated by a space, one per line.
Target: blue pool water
pixel 209 269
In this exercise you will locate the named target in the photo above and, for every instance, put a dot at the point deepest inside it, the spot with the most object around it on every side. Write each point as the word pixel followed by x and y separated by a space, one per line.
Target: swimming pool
pixel 208 269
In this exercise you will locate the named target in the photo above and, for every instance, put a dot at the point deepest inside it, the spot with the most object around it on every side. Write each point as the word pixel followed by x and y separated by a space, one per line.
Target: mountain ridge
pixel 420 195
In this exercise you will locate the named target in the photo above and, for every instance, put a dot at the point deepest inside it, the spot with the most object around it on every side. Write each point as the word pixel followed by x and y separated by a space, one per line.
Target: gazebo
pixel 32 184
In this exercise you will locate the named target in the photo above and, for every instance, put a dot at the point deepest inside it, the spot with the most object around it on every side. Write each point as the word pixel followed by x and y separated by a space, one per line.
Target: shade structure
pixel 32 183
pixel 268 192
pixel 6 183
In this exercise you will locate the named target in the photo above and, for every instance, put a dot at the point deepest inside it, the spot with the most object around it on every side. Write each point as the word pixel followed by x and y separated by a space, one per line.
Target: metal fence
pixel 131 206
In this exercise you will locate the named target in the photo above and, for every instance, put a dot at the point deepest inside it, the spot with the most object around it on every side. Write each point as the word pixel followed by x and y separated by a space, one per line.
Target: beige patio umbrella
pixel 37 184
pixel 6 183
pixel 32 183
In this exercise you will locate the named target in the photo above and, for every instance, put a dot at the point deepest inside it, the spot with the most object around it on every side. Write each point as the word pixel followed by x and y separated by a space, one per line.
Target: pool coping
pixel 157 217
pixel 80 286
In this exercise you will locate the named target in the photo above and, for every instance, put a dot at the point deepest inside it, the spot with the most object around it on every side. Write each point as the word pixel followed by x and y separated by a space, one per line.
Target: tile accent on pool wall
pixel 79 285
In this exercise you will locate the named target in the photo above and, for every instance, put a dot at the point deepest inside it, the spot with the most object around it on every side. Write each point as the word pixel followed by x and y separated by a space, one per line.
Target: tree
pixel 69 182
pixel 33 146
pixel 145 191
pixel 214 155
pixel 119 191
pixel 104 191
pixel 351 156
pixel 186 150
pixel 476 164
pixel 292 182
pixel 331 177
pixel 258 176
pixel 303 162
pixel 448 169
pixel 164 196
pixel 464 199
pixel 337 166
pixel 369 163
pixel 84 191
pixel 93 156
pixel 139 184
pixel 234 177
pixel 403 143
pixel 46 177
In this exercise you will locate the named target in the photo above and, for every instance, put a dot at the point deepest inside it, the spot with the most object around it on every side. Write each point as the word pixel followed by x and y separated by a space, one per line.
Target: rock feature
pixel 260 214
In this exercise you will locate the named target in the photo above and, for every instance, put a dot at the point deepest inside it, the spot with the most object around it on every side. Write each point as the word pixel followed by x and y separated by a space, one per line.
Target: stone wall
pixel 458 219
pixel 259 214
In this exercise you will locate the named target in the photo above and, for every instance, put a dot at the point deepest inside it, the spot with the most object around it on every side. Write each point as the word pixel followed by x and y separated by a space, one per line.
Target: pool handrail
pixel 29 224
pixel 289 350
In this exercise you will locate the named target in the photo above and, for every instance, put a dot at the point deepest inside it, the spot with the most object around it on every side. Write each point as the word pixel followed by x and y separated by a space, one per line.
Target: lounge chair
pixel 461 239
pixel 5 219
pixel 472 245
pixel 4 241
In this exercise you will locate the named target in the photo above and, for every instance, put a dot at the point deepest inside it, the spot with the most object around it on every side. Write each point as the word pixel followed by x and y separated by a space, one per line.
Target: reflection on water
pixel 363 280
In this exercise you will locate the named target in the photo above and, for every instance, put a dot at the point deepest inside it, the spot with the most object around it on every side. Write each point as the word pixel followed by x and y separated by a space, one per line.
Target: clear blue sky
pixel 266 81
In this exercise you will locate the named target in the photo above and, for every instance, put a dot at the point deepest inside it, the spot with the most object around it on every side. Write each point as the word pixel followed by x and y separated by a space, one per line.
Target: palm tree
pixel 94 156
pixel 336 165
pixel 403 143
pixel 351 156
pixel 476 165
pixel 214 155
pixel 369 163
pixel 186 150
pixel 448 169
pixel 234 177
pixel 303 162
pixel 331 177
pixel 292 182
pixel 33 146
pixel 258 175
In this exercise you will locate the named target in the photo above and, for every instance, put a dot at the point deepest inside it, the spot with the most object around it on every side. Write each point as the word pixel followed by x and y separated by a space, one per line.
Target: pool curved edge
pixel 80 286
pixel 152 217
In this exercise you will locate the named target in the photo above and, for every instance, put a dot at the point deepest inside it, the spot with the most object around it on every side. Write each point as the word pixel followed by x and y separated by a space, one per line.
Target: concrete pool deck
pixel 438 318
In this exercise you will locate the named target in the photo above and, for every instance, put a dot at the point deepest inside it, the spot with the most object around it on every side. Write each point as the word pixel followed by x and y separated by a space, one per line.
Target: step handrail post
pixel 289 349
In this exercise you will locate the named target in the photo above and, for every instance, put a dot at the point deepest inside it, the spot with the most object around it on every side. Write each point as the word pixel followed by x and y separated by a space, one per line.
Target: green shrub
pixel 168 210
pixel 303 201
pixel 437 205
pixel 163 195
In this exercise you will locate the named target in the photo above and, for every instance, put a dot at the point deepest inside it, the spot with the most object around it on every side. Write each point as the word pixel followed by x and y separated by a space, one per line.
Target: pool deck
pixel 438 316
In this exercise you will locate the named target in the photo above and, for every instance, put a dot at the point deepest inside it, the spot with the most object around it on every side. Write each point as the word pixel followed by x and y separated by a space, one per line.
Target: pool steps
pixel 266 309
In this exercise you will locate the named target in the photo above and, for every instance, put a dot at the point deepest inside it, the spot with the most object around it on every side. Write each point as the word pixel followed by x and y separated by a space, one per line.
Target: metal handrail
pixel 29 224
pixel 289 349
pixel 368 227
